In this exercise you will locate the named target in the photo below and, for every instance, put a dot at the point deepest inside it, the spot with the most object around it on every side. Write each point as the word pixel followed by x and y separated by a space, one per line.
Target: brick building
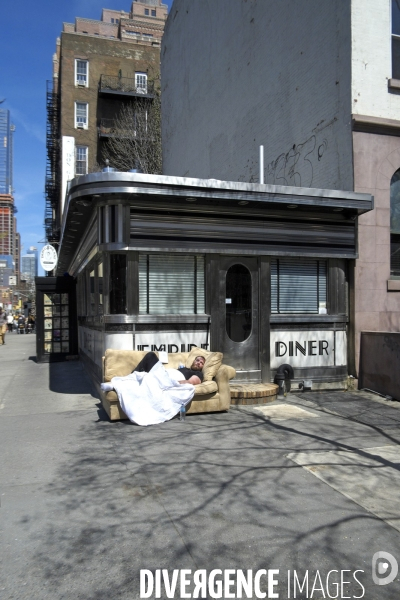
pixel 98 67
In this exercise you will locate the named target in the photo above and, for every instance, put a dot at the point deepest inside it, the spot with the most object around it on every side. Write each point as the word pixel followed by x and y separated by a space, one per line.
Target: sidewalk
pixel 86 503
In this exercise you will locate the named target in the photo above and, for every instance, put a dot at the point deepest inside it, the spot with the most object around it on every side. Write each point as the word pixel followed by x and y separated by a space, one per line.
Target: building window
pixel 82 72
pixel 396 39
pixel 141 82
pixel 298 286
pixel 395 225
pixel 81 160
pixel 92 307
pixel 238 306
pixel 153 13
pixel 117 291
pixel 146 11
pixel 81 115
pixel 171 284
pixel 100 284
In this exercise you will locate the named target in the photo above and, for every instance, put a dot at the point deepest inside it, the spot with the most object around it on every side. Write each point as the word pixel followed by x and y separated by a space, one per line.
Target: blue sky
pixel 28 32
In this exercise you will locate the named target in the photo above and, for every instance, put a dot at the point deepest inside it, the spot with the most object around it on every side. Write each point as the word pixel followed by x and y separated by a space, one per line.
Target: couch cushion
pixel 212 364
pixel 207 387
pixel 119 363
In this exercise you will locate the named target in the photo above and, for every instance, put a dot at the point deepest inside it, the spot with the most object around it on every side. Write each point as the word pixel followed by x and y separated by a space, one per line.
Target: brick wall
pixel 106 57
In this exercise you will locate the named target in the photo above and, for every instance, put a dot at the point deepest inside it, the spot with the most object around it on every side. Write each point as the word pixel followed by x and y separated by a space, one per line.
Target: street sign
pixel 48 257
pixel 12 280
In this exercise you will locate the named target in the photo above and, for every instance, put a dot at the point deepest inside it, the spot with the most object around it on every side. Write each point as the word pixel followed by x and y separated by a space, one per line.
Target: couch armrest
pixel 224 374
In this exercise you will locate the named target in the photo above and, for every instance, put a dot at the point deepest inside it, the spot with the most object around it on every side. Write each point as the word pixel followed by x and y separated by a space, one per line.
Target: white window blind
pixel 81 166
pixel 298 285
pixel 171 284
pixel 81 112
pixel 82 72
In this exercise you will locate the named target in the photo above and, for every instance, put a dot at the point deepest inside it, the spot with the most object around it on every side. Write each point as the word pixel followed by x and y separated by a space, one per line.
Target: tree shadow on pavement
pixel 214 492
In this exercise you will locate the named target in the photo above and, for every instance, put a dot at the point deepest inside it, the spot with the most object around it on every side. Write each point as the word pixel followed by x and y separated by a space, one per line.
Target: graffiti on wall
pixel 296 167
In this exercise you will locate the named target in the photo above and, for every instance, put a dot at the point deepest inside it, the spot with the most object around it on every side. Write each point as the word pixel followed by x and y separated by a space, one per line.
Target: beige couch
pixel 210 396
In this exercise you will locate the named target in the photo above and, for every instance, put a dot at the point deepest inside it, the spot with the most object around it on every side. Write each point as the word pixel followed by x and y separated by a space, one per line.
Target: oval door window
pixel 238 303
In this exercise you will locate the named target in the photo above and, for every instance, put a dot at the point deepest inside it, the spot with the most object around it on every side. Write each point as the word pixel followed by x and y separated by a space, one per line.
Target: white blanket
pixel 154 397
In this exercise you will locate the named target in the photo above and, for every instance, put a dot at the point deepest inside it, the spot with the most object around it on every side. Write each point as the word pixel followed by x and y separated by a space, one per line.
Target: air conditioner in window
pixel 80 126
pixel 81 84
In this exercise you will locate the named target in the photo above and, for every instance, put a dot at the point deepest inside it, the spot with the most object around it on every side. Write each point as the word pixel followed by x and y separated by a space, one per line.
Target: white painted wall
pixel 68 166
pixel 372 60
pixel 238 74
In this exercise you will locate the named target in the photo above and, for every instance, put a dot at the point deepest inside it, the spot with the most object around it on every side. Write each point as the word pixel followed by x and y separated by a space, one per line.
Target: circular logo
pixel 48 258
pixel 380 568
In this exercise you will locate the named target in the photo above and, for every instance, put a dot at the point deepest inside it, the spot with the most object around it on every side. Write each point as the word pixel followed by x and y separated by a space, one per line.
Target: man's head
pixel 198 363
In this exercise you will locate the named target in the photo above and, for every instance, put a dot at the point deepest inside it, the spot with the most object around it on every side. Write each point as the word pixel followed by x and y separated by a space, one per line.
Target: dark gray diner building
pixel 258 272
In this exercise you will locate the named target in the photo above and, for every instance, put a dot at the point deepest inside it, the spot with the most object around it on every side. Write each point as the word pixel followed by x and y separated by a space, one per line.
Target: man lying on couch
pixel 152 394
pixel 193 375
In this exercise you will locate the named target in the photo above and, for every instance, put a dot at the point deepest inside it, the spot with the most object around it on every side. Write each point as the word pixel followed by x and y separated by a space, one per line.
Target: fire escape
pixel 52 185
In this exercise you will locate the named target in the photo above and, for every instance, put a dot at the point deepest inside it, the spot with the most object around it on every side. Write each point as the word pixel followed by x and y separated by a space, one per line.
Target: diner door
pixel 239 312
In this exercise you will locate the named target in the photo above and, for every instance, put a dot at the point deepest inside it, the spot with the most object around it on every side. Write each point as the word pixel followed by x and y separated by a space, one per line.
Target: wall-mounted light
pixel 292 205
pixel 243 202
pixel 338 209
pixel 190 199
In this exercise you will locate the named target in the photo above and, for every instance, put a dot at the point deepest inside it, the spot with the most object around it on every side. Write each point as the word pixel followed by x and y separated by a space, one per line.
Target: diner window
pixel 238 306
pixel 113 223
pixel 171 284
pixel 141 82
pixel 396 39
pixel 102 236
pixel 82 72
pixel 395 225
pixel 81 160
pixel 117 284
pixel 92 310
pixel 81 115
pixel 298 286
pixel 100 284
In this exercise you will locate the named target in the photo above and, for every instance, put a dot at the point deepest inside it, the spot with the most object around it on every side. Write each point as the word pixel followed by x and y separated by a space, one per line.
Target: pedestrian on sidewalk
pixel 10 320
pixel 21 324
pixel 3 326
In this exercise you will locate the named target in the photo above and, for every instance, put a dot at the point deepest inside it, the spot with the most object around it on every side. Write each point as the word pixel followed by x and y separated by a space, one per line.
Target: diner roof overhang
pixel 207 196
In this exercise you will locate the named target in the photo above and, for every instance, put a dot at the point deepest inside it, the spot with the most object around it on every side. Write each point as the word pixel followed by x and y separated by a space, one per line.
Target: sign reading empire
pixel 308 348
pixel 177 341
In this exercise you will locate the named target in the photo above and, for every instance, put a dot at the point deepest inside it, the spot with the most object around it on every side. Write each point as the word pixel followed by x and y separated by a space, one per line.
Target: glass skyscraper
pixel 6 152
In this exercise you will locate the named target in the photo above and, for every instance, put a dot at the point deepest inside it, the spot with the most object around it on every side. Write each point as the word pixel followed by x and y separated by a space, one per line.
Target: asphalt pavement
pixel 303 492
